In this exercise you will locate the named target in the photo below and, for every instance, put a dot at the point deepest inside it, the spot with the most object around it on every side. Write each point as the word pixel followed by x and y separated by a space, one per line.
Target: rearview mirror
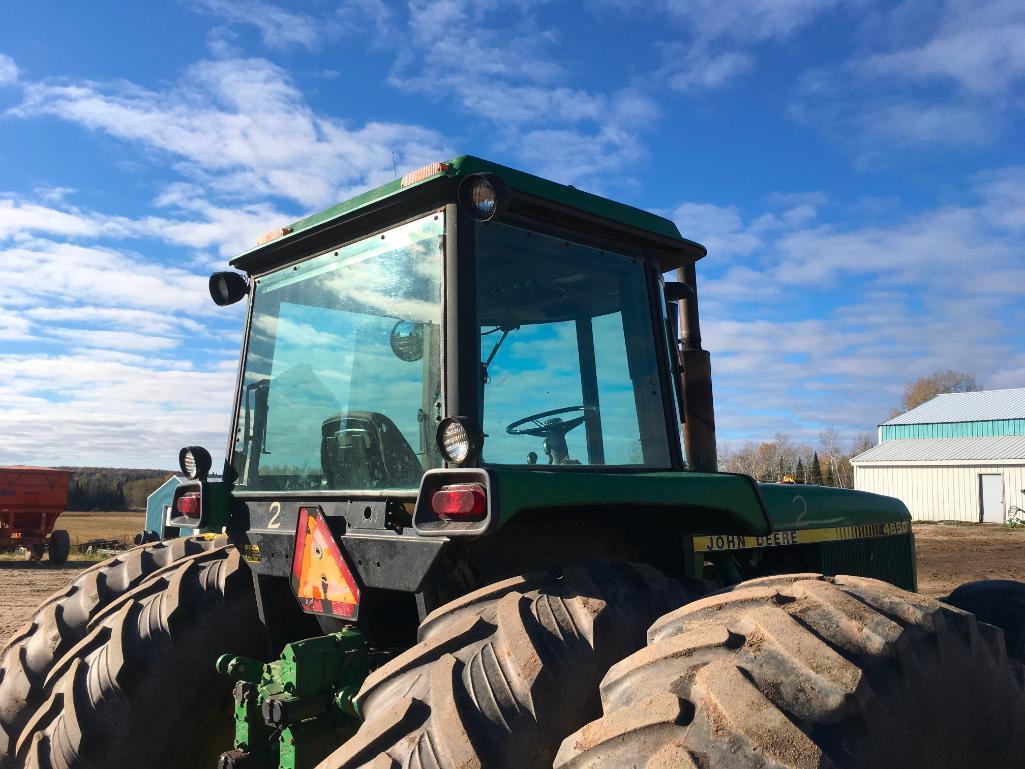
pixel 676 291
pixel 407 340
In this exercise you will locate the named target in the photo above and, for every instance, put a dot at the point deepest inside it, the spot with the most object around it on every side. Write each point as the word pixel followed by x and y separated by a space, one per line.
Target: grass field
pixel 83 527
pixel 86 526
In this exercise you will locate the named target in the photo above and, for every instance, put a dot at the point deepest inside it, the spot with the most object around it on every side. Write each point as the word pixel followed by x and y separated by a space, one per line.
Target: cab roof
pixel 628 217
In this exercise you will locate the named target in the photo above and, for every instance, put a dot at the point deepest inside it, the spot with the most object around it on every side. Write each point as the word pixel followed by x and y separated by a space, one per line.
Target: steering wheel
pixel 552 427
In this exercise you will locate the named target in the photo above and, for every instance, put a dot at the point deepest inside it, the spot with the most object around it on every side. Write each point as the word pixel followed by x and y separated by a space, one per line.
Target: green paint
pixel 519 181
pixel 708 503
pixel 216 507
pixel 798 506
pixel 981 429
pixel 712 501
pixel 290 713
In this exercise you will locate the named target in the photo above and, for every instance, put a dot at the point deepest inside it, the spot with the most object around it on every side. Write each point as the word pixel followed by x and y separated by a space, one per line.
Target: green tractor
pixel 471 517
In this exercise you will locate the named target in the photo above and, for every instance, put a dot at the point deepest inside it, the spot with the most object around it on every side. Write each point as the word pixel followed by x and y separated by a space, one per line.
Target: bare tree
pixel 837 464
pixel 743 459
pixel 862 443
pixel 928 387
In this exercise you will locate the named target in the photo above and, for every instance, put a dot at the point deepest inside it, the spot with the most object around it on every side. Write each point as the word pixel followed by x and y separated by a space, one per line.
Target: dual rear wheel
pixel 590 665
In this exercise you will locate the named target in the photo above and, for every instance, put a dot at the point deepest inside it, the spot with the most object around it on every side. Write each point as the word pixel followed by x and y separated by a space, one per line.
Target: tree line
pixel 826 463
pixel 112 489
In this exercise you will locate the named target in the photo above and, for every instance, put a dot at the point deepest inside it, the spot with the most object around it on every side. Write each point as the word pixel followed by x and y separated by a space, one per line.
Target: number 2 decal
pixel 799 500
pixel 275 516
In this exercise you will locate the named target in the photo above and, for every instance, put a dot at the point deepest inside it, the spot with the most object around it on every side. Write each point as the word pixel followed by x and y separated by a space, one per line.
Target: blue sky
pixel 856 169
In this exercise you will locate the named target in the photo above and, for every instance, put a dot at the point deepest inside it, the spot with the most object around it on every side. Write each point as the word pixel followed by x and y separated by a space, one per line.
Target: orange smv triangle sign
pixel 321 579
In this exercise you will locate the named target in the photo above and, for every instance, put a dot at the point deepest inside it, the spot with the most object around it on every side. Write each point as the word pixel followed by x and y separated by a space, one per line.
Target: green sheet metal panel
pixel 980 429
pixel 712 502
pixel 709 502
pixel 799 506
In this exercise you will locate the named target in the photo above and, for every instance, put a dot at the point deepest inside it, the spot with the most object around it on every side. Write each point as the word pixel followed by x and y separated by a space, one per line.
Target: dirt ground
pixel 950 555
pixel 23 586
pixel 947 556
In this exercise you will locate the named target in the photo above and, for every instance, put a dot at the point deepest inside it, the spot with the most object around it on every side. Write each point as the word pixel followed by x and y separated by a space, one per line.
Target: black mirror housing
pixel 676 291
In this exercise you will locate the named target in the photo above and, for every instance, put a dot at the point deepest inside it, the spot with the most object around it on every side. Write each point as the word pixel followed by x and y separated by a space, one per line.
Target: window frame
pixel 467 336
pixel 447 260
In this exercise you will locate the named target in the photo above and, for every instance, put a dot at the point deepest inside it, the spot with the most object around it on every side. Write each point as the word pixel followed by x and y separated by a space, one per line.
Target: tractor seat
pixel 365 450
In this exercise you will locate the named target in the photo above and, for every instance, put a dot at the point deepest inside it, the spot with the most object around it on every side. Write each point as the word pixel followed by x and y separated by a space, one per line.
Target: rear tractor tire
pixel 998 602
pixel 808 671
pixel 501 675
pixel 60 547
pixel 140 690
pixel 66 617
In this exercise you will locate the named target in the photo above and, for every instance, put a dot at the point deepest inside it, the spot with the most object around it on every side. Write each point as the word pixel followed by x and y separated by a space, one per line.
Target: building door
pixel 991 498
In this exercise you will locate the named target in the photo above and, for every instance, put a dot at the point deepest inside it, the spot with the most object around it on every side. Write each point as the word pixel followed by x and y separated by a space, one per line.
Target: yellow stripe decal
pixel 716 542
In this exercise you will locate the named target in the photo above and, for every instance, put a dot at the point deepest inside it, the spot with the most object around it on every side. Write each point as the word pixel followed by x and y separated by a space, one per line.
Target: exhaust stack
pixel 699 413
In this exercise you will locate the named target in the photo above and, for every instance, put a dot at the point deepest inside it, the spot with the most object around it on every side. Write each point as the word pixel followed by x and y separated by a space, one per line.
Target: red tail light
pixel 460 502
pixel 189 504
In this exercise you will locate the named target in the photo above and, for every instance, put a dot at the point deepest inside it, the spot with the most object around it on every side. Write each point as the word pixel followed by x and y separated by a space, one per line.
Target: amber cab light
pixel 460 502
pixel 189 504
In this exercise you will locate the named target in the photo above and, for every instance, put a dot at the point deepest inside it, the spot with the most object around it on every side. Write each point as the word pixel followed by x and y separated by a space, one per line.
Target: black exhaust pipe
pixel 699 413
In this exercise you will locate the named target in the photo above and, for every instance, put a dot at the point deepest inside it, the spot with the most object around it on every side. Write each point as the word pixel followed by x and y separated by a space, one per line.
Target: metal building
pixel 957 457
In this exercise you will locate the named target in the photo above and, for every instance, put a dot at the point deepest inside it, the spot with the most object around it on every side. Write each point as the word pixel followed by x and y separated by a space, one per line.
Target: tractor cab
pixel 467 315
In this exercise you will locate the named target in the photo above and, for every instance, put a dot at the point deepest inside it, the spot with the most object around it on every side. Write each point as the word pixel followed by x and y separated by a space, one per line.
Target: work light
pixel 227 288
pixel 482 196
pixel 195 462
pixel 459 441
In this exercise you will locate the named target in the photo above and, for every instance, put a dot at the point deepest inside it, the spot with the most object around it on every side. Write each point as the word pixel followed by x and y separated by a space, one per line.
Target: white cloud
pixel 142 321
pixel 278 28
pixel 719 228
pixel 14 327
pixel 117 340
pixel 980 46
pixel 95 386
pixel 123 410
pixel 814 324
pixel 504 67
pixel 747 20
pixel 1004 192
pixel 18 217
pixel 193 221
pixel 695 68
pixel 879 125
pixel 38 271
pixel 8 70
pixel 723 231
pixel 722 37
pixel 927 77
pixel 242 127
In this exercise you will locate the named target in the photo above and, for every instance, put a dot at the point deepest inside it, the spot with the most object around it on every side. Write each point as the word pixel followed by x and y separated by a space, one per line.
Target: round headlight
pixel 458 440
pixel 483 196
pixel 194 462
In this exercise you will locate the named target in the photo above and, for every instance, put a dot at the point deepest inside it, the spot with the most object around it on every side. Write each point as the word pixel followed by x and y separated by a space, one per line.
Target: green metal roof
pixel 518 181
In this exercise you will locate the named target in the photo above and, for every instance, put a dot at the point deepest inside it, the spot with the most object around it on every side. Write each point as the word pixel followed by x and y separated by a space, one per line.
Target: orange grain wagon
pixel 31 500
